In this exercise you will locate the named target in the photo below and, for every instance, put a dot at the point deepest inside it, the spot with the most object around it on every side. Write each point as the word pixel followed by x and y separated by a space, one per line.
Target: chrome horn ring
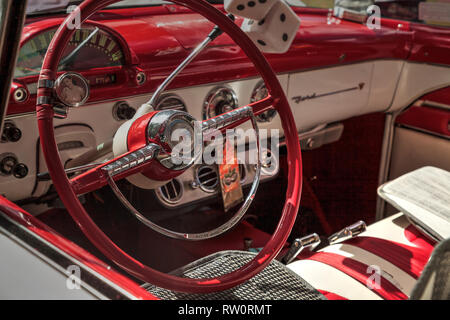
pixel 236 115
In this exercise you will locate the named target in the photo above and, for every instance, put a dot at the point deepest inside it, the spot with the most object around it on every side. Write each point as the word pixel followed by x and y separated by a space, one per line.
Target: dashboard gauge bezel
pixel 168 96
pixel 267 116
pixel 58 87
pixel 212 94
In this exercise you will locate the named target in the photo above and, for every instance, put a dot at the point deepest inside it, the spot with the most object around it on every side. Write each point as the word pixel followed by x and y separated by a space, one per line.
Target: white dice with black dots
pixel 275 32
pixel 252 9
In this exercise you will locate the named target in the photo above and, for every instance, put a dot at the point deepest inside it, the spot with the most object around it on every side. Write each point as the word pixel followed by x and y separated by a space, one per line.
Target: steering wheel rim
pixel 63 186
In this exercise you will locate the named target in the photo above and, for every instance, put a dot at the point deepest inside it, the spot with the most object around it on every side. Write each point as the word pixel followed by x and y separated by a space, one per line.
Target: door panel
pixel 421 138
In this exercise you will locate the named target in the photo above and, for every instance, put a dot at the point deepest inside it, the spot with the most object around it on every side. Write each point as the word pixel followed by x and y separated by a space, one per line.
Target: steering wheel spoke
pixel 263 105
pixel 118 168
pixel 236 117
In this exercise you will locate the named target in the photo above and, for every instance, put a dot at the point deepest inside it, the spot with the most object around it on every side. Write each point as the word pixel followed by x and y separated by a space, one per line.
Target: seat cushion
pixel 275 282
pixel 384 262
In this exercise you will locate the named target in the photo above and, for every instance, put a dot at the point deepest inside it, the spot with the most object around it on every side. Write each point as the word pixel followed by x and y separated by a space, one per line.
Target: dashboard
pixel 126 53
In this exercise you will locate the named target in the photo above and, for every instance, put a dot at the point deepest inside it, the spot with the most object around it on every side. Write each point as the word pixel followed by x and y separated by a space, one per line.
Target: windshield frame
pixel 12 21
pixel 118 5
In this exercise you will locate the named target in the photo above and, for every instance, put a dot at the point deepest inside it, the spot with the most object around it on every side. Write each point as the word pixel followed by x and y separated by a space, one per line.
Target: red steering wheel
pixel 67 189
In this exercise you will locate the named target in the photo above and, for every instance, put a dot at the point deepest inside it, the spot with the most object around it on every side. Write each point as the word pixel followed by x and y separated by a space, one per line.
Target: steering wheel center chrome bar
pixel 132 160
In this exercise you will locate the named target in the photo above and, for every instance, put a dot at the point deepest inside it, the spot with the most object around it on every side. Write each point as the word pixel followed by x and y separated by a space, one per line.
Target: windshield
pixel 39 6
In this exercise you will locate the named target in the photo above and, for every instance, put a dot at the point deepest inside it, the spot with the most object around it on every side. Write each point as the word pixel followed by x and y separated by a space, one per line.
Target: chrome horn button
pixel 179 134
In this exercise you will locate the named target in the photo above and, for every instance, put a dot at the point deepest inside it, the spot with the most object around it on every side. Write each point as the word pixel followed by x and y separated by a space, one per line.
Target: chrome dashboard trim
pixel 212 94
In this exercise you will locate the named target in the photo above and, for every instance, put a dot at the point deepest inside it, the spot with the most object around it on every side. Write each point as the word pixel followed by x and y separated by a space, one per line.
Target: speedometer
pixel 90 47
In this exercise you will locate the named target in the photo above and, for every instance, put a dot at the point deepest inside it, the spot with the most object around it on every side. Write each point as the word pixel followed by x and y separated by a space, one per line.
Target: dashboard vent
pixel 171 102
pixel 207 178
pixel 171 192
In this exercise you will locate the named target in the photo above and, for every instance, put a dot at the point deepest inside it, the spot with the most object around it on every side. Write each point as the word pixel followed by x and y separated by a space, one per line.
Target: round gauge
pixel 218 101
pixel 170 102
pixel 89 47
pixel 260 92
pixel 72 89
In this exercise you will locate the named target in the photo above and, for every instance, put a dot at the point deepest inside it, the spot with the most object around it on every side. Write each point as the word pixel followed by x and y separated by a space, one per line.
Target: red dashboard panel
pixel 431 44
pixel 156 39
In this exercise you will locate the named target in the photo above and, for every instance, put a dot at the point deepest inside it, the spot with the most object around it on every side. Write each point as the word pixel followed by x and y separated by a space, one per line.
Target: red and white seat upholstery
pixel 384 262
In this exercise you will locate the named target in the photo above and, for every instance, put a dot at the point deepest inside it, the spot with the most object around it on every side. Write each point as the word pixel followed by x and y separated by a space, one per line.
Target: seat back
pixel 434 282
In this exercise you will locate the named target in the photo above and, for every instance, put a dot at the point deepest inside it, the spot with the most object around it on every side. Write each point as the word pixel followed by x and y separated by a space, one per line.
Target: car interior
pixel 349 196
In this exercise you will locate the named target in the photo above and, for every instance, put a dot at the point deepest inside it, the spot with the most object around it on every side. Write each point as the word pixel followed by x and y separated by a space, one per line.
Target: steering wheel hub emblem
pixel 179 134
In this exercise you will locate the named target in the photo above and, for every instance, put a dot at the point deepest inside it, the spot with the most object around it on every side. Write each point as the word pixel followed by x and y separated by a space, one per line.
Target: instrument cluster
pixel 89 48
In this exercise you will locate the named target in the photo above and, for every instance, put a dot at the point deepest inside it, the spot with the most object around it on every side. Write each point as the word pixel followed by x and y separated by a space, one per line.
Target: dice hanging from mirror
pixel 252 9
pixel 275 32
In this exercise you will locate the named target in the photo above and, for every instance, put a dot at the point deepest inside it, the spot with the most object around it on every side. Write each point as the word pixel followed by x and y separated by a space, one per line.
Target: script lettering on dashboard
pixel 298 99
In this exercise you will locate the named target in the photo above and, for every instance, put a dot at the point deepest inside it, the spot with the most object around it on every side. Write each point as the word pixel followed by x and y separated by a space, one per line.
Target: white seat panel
pixel 324 277
pixel 390 272
pixel 391 228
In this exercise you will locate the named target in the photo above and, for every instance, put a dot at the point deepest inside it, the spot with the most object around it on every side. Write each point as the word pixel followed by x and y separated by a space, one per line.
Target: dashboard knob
pixel 20 171
pixel 11 133
pixel 123 111
pixel 7 164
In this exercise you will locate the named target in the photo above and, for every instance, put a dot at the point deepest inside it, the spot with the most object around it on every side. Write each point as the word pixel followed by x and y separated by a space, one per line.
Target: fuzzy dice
pixel 252 9
pixel 275 32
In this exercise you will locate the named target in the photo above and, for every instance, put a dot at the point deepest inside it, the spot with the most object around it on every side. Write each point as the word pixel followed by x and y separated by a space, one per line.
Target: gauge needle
pixel 69 58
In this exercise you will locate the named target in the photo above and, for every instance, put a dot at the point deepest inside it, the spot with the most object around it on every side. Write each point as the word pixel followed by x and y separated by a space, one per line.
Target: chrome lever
pixel 348 232
pixel 150 105
pixel 310 241
pixel 45 176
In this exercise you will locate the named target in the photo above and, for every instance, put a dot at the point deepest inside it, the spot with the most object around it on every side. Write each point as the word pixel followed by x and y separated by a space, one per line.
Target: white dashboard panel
pixel 416 80
pixel 99 117
pixel 316 97
pixel 328 95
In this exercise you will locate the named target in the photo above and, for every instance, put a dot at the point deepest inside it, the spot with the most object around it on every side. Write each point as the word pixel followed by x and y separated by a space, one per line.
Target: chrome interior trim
pixel 308 242
pixel 212 95
pixel 414 128
pixel 181 106
pixel 79 77
pixel 142 155
pixel 208 234
pixel 165 199
pixel 385 160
